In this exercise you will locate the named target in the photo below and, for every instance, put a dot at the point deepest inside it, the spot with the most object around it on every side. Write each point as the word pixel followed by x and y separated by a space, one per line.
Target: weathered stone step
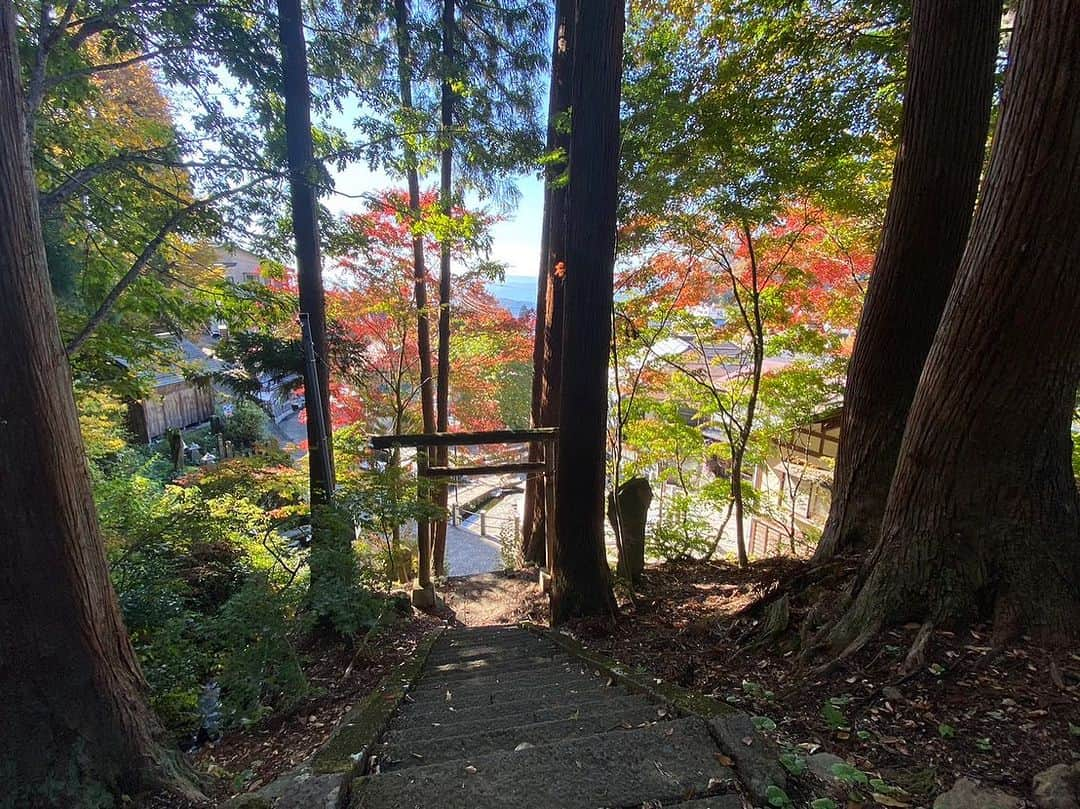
pixel 501 655
pixel 552 690
pixel 482 648
pixel 501 681
pixel 514 704
pixel 406 729
pixel 666 762
pixel 418 752
pixel 474 668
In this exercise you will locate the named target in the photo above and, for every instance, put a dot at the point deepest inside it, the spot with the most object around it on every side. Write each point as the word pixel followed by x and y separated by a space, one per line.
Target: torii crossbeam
pixel 424 592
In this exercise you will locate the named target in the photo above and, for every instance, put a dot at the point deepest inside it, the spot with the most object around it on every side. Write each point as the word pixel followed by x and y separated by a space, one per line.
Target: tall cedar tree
pixel 582 580
pixel 423 326
pixel 74 709
pixel 488 68
pixel 446 204
pixel 547 348
pixel 946 115
pixel 983 515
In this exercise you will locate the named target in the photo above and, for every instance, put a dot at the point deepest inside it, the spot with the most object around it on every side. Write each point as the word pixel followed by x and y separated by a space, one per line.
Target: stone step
pixel 493 695
pixel 418 752
pixel 501 681
pixel 449 672
pixel 405 729
pixel 468 649
pixel 666 762
pixel 506 702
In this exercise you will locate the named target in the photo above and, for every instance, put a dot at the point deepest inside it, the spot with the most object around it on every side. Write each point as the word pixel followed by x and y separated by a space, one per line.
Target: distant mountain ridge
pixel 515 292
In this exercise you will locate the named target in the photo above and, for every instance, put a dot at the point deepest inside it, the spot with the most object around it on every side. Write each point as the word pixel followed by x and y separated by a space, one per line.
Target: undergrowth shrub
pixel 256 666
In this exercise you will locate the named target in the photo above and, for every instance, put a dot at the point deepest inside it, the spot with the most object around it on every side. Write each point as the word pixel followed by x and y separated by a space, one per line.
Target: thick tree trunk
pixel 983 519
pixel 423 328
pixel 446 184
pixel 547 350
pixel 943 140
pixel 582 581
pixel 305 220
pixel 72 697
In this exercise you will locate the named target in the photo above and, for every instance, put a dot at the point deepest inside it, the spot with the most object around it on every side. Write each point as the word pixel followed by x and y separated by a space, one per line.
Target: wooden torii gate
pixel 424 592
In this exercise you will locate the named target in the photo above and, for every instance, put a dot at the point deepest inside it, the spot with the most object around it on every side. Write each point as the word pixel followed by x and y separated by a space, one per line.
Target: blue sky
pixel 515 241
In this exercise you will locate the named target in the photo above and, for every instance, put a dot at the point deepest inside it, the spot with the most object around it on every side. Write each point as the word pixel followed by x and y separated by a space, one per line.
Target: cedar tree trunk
pixel 547 349
pixel 446 182
pixel 72 696
pixel 942 145
pixel 582 580
pixel 423 329
pixel 983 519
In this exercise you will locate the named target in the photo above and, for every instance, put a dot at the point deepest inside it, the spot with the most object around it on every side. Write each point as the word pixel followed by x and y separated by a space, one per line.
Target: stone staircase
pixel 504 718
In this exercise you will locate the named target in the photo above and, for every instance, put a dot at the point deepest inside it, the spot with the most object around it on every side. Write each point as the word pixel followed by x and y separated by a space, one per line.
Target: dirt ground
pixel 501 597
pixel 998 716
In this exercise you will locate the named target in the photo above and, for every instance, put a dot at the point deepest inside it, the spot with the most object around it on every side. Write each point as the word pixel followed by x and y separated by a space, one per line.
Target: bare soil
pixel 501 597
pixel 999 716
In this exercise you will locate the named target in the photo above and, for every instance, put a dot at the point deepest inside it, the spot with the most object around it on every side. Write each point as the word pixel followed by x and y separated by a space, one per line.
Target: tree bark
pixel 446 187
pixel 983 519
pixel 72 696
pixel 423 328
pixel 946 115
pixel 305 221
pixel 582 581
pixel 547 349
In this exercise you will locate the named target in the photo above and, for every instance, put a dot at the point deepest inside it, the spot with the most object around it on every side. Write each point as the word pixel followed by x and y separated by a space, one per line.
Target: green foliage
pixel 832 714
pixel 246 425
pixel 339 593
pixel 793 763
pixel 777 797
pixel 851 776
pixel 683 533
pixel 256 666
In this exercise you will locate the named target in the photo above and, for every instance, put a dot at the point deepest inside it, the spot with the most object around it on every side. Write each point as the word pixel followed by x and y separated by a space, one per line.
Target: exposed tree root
pixel 916 656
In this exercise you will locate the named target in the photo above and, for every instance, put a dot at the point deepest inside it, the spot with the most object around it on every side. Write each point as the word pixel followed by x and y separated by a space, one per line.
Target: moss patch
pixel 361 728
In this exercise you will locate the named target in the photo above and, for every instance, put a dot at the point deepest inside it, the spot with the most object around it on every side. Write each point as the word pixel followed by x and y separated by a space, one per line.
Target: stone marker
pixel 634 497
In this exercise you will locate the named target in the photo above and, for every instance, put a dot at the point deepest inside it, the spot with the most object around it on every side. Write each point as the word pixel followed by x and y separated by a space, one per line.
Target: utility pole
pixel 303 175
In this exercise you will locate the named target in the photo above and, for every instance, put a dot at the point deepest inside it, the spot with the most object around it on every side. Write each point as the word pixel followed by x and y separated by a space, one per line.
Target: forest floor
pixel 499 597
pixel 996 716
pixel 340 675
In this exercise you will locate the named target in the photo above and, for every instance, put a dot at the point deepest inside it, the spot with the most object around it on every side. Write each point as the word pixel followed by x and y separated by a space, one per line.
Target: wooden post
pixel 549 514
pixel 424 593
pixel 483 524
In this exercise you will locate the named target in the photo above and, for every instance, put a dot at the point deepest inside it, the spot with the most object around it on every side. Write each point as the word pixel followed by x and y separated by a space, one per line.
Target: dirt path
pixel 502 597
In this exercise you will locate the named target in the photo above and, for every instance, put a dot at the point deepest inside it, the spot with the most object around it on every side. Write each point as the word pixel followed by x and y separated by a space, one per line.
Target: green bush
pixel 340 592
pixel 256 667
pixel 246 425
pixel 684 532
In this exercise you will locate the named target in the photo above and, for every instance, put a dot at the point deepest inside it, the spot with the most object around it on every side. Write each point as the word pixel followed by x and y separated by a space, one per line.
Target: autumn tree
pixel 582 580
pixel 77 727
pixel 950 80
pixel 761 109
pixel 983 514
